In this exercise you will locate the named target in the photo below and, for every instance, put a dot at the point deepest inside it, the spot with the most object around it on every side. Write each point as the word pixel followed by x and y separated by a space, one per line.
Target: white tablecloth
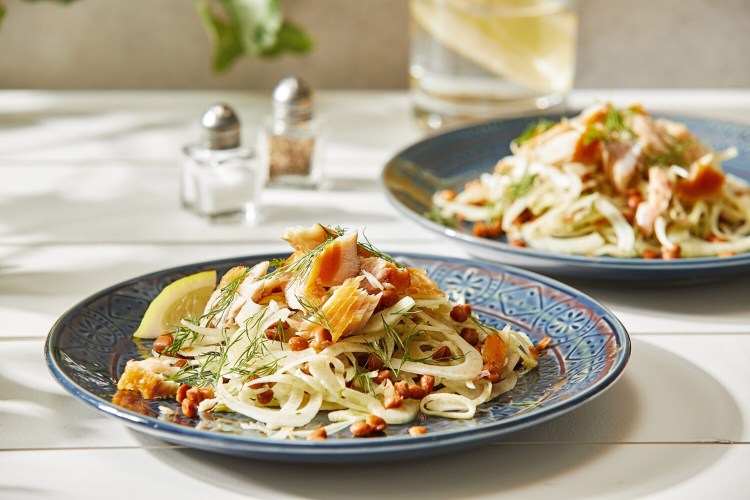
pixel 89 197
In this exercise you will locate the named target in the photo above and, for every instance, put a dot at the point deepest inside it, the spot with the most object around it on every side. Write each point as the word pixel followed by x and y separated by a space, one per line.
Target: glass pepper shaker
pixel 290 142
pixel 220 180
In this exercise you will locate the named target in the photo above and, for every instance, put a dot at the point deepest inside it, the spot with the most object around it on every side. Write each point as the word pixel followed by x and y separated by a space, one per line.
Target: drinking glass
pixel 479 59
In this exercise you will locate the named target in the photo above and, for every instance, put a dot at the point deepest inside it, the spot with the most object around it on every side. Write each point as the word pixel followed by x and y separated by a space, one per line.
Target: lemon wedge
pixel 535 48
pixel 185 297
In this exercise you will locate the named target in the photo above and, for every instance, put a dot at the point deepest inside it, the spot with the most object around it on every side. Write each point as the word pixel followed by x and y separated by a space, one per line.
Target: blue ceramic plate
pixel 450 159
pixel 88 347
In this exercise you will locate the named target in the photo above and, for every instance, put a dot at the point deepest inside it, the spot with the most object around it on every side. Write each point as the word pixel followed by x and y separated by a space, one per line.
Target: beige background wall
pixel 129 44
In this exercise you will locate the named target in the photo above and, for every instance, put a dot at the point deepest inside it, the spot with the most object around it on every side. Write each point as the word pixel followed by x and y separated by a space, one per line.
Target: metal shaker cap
pixel 221 127
pixel 293 100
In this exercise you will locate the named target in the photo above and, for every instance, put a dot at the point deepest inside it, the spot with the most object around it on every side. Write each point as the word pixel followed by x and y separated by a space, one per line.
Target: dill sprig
pixel 314 312
pixel 256 349
pixel 613 128
pixel 369 247
pixel 215 364
pixel 520 188
pixel 514 191
pixel 485 327
pixel 300 267
pixel 402 346
pixel 435 215
pixel 432 360
pixel 363 380
pixel 225 298
pixel 277 262
pixel 676 154
pixel 181 335
pixel 532 130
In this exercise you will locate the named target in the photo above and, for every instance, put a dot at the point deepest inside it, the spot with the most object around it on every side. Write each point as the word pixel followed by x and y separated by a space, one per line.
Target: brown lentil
pixel 298 344
pixel 361 429
pixel 189 408
pixel 376 423
pixel 162 342
pixel 460 313
pixel 442 352
pixel 470 335
pixel 265 397
pixel 427 382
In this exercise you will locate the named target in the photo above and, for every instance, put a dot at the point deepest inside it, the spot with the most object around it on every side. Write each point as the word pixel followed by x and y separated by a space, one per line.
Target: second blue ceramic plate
pixel 451 159
pixel 88 347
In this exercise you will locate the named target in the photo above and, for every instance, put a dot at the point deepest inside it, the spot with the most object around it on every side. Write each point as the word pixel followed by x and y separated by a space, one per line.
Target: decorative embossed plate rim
pixel 88 346
pixel 450 159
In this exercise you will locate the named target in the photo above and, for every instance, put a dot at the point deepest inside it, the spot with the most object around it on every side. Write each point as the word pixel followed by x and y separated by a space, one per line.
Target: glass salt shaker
pixel 220 180
pixel 290 143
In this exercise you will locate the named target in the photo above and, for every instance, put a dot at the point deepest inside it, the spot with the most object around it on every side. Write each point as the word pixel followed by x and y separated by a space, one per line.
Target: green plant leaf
pixel 257 21
pixel 225 38
pixel 249 27
pixel 291 38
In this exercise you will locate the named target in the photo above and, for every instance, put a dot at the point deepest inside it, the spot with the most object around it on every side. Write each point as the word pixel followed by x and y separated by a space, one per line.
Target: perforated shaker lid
pixel 293 100
pixel 221 127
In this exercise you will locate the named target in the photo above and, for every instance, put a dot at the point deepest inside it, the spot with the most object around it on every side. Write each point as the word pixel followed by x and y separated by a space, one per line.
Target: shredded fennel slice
pixel 695 247
pixel 660 231
pixel 467 211
pixel 448 405
pixel 623 230
pixel 294 415
pixel 577 245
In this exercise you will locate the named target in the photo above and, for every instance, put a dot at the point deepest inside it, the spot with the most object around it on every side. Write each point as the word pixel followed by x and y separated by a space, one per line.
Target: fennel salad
pixel 338 329
pixel 608 182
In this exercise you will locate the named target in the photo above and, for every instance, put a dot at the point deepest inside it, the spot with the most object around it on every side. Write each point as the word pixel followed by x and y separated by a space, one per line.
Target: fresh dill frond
pixel 380 349
pixel 363 380
pixel 593 134
pixel 485 327
pixel 301 267
pixel 279 336
pixel 314 312
pixel 676 154
pixel 277 262
pixel 435 215
pixel 532 130
pixel 369 247
pixel 612 129
pixel 521 188
pixel 401 346
pixel 514 192
pixel 225 298
pixel 336 231
pixel 614 122
pixel 181 335
pixel 432 360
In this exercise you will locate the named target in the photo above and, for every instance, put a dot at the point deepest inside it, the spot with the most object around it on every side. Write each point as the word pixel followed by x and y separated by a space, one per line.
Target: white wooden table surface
pixel 89 197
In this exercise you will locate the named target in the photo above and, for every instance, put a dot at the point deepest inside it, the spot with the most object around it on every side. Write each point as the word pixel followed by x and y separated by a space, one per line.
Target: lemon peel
pixel 185 297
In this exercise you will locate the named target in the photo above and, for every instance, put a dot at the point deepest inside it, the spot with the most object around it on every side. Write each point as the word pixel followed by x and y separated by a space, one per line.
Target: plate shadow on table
pixel 589 442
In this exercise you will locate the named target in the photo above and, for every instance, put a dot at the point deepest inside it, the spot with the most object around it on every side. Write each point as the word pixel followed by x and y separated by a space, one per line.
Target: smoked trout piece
pixel 147 377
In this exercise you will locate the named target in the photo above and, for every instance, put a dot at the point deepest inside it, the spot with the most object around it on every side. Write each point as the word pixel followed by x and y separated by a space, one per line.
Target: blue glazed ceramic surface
pixel 450 159
pixel 87 349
